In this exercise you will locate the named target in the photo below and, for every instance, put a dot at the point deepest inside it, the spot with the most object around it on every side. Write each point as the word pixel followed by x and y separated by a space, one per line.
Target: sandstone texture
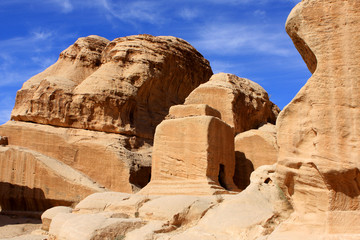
pixel 243 104
pixel 124 86
pixel 318 132
pixel 192 155
pixel 254 148
pixel 86 123
pixel 252 214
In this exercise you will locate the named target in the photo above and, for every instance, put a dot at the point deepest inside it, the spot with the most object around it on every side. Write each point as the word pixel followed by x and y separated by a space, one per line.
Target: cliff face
pixel 124 86
pixel 318 132
pixel 94 113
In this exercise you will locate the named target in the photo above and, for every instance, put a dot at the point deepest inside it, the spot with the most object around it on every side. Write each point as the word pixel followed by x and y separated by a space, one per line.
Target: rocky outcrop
pixel 251 215
pixel 30 181
pixel 243 104
pixel 193 154
pixel 95 111
pixel 124 86
pixel 318 132
pixel 254 148
pixel 102 157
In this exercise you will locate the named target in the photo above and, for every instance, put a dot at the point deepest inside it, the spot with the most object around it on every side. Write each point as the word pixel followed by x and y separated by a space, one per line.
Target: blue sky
pixel 243 37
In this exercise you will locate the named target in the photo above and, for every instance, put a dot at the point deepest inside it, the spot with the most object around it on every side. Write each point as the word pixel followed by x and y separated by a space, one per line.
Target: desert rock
pixel 243 104
pixel 123 86
pixel 105 158
pixel 254 148
pixel 252 214
pixel 189 157
pixel 318 132
pixel 30 181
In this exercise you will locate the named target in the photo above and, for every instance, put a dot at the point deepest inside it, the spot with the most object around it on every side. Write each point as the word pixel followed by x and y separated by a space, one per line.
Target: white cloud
pixel 189 13
pixel 235 39
pixel 130 11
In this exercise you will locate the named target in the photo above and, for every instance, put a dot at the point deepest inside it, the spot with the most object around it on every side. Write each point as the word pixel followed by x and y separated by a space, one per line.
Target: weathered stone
pixel 242 103
pixel 100 156
pixel 189 157
pixel 124 86
pixel 180 111
pixel 318 132
pixel 49 214
pixel 254 148
pixel 30 181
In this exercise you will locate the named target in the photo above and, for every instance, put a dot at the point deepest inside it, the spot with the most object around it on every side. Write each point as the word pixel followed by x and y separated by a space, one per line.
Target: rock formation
pixel 124 86
pixel 318 132
pixel 87 122
pixel 251 215
pixel 243 104
pixel 193 153
pixel 254 148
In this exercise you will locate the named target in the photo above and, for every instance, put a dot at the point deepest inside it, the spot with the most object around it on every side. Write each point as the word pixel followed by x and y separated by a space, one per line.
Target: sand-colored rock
pixel 193 156
pixel 123 86
pixel 92 226
pixel 318 132
pixel 49 214
pixel 252 214
pixel 103 157
pixel 30 181
pixel 243 104
pixel 254 148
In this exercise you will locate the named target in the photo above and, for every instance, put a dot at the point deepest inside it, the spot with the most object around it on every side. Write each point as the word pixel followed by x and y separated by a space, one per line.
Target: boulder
pixel 97 107
pixel 243 104
pixel 254 148
pixel 30 181
pixel 189 157
pixel 49 214
pixel 105 158
pixel 318 132
pixel 124 86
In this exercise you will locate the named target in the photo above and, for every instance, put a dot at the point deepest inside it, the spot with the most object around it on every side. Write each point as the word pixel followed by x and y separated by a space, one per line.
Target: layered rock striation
pixel 94 113
pixel 243 104
pixel 124 86
pixel 318 132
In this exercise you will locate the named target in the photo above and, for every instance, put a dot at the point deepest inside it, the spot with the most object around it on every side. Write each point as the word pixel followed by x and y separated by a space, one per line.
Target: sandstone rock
pixel 253 149
pixel 30 181
pixel 191 110
pixel 100 156
pixel 92 226
pixel 252 214
pixel 123 86
pixel 318 165
pixel 242 103
pixel 49 214
pixel 188 157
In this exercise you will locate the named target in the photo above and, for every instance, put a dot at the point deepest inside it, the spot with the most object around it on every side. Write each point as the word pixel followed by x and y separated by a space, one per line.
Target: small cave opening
pixel 221 176
pixel 140 176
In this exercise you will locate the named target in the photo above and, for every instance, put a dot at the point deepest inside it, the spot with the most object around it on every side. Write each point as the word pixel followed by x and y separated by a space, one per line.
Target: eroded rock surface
pixel 254 148
pixel 123 86
pixel 252 214
pixel 193 154
pixel 318 132
pixel 95 111
pixel 243 104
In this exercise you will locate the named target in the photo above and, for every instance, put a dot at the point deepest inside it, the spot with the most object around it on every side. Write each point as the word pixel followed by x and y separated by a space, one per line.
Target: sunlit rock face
pixel 124 86
pixel 318 132
pixel 86 123
pixel 243 104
